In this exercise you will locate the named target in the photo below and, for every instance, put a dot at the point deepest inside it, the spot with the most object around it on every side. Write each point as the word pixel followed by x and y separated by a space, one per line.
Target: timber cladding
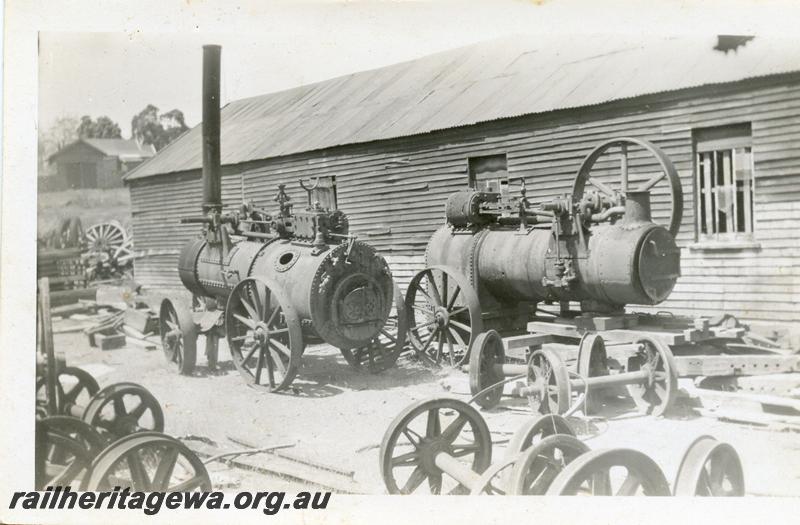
pixel 394 190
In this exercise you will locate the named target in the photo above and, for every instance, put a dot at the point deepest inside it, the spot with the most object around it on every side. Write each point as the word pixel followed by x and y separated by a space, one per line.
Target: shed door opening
pixel 488 173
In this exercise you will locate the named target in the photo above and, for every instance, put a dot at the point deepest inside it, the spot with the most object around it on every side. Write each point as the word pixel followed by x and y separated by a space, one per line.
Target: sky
pixel 279 46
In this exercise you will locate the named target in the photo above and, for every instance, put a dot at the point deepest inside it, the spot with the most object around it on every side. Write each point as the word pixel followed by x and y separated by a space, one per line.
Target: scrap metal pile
pixel 443 446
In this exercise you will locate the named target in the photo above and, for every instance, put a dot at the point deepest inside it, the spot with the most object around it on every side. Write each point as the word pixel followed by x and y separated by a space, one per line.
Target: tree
pixel 150 127
pixel 102 128
pixel 64 131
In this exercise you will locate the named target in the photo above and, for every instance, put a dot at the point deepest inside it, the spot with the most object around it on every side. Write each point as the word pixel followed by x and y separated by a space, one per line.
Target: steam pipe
pixel 212 176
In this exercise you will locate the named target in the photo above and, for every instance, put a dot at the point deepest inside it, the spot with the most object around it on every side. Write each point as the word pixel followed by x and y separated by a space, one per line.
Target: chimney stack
pixel 212 170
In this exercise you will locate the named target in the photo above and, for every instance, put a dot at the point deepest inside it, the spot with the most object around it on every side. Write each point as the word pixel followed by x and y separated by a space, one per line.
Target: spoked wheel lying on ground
pixel 710 468
pixel 148 461
pixel 124 408
pixel 178 336
pixel 61 459
pixel 74 388
pixel 611 472
pixel 264 334
pixel 384 349
pixel 444 315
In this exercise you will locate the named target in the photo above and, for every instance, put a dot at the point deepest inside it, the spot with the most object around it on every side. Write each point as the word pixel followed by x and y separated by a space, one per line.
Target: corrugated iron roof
pixel 125 149
pixel 497 79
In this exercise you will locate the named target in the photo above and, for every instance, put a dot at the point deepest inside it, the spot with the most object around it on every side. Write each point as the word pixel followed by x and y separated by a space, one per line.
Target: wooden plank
pixel 525 341
pixel 716 398
pixel 733 365
pixel 554 329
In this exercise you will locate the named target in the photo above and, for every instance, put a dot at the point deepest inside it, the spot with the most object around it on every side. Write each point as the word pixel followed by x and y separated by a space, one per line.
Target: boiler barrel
pixel 635 262
pixel 345 292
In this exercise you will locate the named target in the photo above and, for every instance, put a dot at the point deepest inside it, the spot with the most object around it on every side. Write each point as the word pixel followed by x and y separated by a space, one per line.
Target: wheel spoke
pixel 139 477
pixel 437 299
pixel 251 310
pixel 165 468
pixel 600 186
pixel 406 460
pixel 245 321
pixel 434 425
pixel 249 354
pixel 454 429
pixel 464 450
pixel 415 480
pixel 453 299
pixel 652 181
pixel 462 326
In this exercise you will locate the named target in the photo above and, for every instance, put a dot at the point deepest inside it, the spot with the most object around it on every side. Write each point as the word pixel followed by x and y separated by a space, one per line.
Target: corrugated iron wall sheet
pixel 394 191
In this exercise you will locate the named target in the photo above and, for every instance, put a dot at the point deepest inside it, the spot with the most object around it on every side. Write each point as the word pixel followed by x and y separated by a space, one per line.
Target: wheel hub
pixel 441 316
pixel 429 449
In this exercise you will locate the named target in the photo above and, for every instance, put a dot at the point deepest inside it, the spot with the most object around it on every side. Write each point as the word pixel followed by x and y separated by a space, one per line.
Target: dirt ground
pixel 337 416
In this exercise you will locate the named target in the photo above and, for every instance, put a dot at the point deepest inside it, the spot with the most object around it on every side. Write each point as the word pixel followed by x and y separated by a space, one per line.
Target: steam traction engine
pixel 273 282
pixel 498 261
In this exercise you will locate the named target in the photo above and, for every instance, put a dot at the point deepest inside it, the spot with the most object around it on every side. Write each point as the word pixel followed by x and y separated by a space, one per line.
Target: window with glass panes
pixel 725 182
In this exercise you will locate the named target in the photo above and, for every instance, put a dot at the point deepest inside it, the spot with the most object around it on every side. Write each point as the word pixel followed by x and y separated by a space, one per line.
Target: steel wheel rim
pixel 384 349
pixel 540 464
pixel 178 336
pixel 434 438
pixel 450 320
pixel 138 452
pixel 707 467
pixel 262 325
pixel 658 393
pixel 60 459
pixel 487 351
pixel 123 420
pixel 493 480
pixel 78 430
pixel 548 373
pixel 535 430
pixel 591 474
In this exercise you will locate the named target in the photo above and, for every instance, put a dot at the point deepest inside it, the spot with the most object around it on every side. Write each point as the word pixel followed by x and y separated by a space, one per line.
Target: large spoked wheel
pixel 60 459
pixel 74 389
pixel 656 394
pixel 535 430
pixel 178 336
pixel 493 480
pixel 538 466
pixel 147 462
pixel 710 468
pixel 425 429
pixel 384 349
pixel 611 472
pixel 110 237
pixel 124 408
pixel 549 379
pixel 444 315
pixel 264 334
pixel 616 194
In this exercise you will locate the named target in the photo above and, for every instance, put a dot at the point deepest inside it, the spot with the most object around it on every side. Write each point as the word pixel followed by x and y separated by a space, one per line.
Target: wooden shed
pixel 97 163
pixel 396 140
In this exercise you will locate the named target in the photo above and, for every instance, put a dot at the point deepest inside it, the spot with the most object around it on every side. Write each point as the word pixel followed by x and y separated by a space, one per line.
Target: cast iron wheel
pixel 668 171
pixel 178 336
pixel 656 394
pixel 592 362
pixel 611 472
pixel 74 389
pixel 124 408
pixel 431 437
pixel 486 352
pixel 535 430
pixel 60 459
pixel 548 375
pixel 384 349
pixel 264 334
pixel 492 481
pixel 710 468
pixel 78 430
pixel 149 461
pixel 538 466
pixel 443 311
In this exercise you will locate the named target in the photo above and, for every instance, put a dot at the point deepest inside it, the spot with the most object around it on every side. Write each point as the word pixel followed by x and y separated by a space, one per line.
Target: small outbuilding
pixel 395 141
pixel 96 163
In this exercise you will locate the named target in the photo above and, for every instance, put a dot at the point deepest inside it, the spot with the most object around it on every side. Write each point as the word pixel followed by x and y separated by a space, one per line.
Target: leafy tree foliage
pixel 150 127
pixel 102 128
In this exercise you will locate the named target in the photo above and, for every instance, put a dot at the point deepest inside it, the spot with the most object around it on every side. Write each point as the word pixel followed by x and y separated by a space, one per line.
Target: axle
pixel 457 470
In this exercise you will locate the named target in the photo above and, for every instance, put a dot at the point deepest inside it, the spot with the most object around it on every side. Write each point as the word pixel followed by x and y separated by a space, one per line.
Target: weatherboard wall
pixel 394 190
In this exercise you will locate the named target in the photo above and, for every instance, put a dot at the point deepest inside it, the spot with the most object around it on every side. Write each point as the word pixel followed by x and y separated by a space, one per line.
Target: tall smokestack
pixel 212 176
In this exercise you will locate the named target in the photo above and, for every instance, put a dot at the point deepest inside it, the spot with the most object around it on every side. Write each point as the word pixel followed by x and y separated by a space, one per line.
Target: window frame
pixel 474 163
pixel 718 140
